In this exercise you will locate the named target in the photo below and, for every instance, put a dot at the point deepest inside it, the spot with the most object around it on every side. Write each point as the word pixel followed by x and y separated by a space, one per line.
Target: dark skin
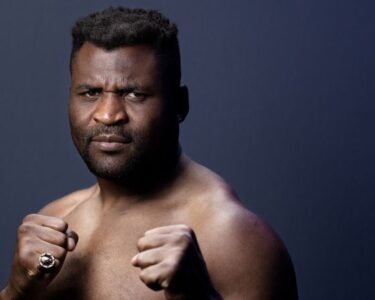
pixel 173 231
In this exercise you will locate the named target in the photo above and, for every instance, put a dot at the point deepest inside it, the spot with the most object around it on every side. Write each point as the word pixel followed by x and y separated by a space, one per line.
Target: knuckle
pixel 56 237
pixel 139 257
pixel 144 276
pixel 24 255
pixel 141 244
pixel 147 276
pixel 183 238
pixel 188 231
pixel 25 242
pixel 61 239
pixel 179 258
pixel 25 228
pixel 150 279
pixel 59 252
pixel 168 265
pixel 184 227
pixel 29 218
pixel 173 263
pixel 60 224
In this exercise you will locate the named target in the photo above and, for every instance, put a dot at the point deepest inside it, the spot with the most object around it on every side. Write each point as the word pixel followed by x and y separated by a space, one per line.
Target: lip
pixel 110 139
pixel 110 143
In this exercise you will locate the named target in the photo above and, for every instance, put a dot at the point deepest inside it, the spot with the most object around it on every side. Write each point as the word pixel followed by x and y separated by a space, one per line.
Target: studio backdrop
pixel 282 107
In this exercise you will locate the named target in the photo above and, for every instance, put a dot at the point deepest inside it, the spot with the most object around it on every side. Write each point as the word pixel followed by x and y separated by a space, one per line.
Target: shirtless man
pixel 156 225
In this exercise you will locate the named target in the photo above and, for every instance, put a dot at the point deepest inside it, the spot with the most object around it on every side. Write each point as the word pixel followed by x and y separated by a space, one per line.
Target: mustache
pixel 102 129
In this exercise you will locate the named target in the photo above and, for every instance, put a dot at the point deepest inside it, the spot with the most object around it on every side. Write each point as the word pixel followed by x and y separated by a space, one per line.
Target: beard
pixel 124 166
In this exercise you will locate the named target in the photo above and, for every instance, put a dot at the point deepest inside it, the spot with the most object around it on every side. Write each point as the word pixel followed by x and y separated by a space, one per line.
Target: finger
pixel 72 239
pixel 29 257
pixel 56 267
pixel 57 251
pixel 51 236
pixel 168 229
pixel 47 221
pixel 37 272
pixel 151 241
pixel 31 231
pixel 156 277
pixel 179 235
pixel 148 258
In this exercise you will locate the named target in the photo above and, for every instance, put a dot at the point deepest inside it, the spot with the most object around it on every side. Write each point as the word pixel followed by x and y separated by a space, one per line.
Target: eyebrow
pixel 130 86
pixel 85 86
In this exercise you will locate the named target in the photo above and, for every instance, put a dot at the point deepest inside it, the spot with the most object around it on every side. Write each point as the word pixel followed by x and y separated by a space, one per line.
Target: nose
pixel 110 110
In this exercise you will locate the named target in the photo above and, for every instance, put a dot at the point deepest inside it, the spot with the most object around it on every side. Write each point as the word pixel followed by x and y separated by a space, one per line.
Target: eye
pixel 91 93
pixel 135 96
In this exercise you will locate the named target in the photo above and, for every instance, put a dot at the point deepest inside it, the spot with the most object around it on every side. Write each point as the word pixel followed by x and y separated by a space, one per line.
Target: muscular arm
pixel 248 261
pixel 244 257
pixel 241 258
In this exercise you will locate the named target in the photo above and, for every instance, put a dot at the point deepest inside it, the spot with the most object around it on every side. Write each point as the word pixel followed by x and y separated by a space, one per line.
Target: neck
pixel 144 185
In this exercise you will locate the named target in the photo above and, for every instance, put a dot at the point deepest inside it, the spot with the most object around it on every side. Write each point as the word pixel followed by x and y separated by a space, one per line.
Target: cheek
pixel 79 116
pixel 146 116
pixel 78 127
pixel 157 128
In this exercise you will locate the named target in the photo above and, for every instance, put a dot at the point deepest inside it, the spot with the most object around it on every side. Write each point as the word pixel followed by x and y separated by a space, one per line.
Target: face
pixel 122 120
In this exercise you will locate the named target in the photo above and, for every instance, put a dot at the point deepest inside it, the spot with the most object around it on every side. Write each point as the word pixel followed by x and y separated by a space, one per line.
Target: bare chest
pixel 100 267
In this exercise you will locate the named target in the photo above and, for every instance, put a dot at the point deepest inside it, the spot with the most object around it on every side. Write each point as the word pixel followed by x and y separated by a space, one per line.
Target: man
pixel 156 225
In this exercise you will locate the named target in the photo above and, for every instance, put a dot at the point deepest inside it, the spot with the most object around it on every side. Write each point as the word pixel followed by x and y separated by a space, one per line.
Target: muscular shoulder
pixel 245 257
pixel 63 206
pixel 248 258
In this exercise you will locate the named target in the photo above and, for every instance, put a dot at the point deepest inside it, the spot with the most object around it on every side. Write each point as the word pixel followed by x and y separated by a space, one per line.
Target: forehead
pixel 138 62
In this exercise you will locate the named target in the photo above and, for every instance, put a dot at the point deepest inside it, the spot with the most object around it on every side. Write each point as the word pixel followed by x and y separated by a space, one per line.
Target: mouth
pixel 110 143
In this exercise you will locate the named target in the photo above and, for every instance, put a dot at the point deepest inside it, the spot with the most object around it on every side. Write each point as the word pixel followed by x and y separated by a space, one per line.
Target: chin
pixel 110 171
pixel 114 168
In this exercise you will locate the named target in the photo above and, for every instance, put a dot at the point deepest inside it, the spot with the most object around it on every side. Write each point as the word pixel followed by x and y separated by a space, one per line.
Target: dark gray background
pixel 282 106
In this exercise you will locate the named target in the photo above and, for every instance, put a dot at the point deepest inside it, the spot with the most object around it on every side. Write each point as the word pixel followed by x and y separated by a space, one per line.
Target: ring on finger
pixel 46 261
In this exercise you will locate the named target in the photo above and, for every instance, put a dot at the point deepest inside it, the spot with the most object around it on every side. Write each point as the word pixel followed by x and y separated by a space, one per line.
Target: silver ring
pixel 46 261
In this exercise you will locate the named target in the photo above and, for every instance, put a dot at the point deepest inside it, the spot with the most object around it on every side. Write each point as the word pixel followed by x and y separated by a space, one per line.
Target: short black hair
pixel 112 28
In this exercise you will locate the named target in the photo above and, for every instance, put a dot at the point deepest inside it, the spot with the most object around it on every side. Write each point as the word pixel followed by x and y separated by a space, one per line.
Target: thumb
pixel 72 239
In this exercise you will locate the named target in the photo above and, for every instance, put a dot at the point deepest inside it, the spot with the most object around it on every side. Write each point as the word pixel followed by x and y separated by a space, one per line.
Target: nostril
pixel 109 117
pixel 110 110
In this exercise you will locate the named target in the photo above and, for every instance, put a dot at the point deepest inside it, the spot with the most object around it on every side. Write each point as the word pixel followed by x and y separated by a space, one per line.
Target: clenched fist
pixel 37 234
pixel 169 258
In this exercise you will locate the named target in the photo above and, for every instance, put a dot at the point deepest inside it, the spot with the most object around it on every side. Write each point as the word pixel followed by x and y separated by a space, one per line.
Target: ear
pixel 182 106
